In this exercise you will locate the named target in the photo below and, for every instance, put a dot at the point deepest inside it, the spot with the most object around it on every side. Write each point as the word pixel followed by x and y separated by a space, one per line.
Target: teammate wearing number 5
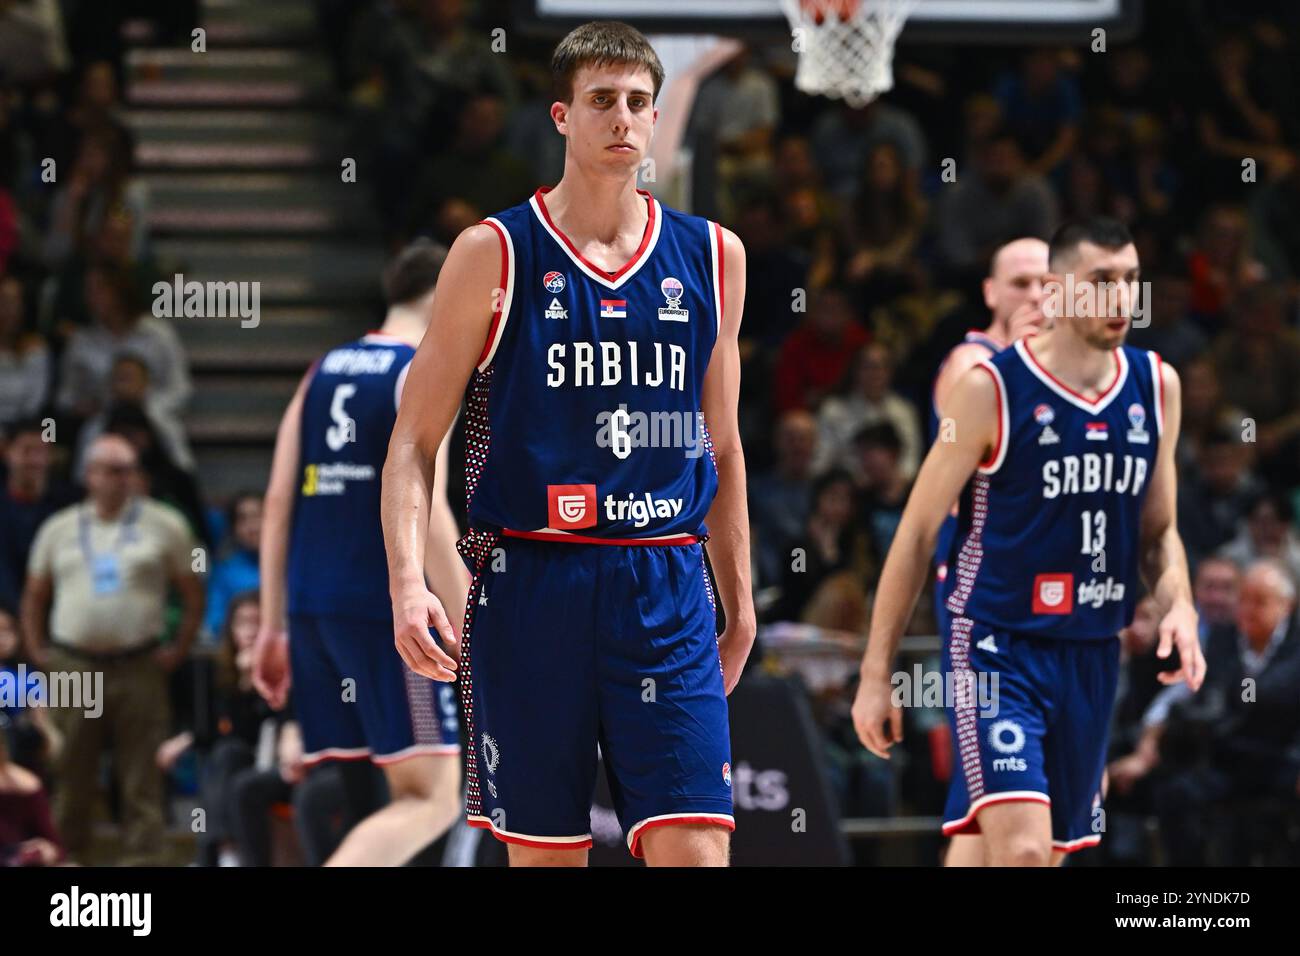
pixel 1063 455
pixel 326 618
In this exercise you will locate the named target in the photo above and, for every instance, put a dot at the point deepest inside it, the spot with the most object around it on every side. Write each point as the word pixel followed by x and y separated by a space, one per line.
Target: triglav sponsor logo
pixel 570 507
pixel 640 510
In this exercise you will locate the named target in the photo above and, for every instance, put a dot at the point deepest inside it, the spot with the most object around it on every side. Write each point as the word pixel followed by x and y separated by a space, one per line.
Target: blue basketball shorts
pixel 355 697
pixel 571 647
pixel 1034 726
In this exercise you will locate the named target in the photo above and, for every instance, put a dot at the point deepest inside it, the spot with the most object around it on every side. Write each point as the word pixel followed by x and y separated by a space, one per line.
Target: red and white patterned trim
pixel 524 839
pixel 500 314
pixel 674 819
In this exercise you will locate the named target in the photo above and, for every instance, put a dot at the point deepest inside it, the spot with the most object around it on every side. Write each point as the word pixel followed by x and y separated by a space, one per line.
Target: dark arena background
pixel 197 200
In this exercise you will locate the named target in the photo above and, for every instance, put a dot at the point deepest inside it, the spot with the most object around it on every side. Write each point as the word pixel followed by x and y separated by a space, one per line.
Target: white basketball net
pixel 850 53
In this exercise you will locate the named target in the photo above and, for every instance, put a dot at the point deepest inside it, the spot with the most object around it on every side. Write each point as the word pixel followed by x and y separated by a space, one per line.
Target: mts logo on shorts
pixel 569 507
pixel 1054 594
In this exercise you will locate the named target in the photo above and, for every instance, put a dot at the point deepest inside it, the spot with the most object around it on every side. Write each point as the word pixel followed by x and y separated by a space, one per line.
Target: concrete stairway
pixel 241 147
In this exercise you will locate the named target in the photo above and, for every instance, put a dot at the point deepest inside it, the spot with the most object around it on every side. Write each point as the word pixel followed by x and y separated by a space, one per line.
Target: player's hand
pixel 1178 629
pixel 271 673
pixel 734 645
pixel 414 612
pixel 878 722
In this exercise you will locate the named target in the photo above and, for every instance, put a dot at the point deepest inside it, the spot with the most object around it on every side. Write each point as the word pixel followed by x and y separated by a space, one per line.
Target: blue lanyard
pixel 125 533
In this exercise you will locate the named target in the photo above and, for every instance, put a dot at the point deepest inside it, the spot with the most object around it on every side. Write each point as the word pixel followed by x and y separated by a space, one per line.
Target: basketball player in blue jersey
pixel 1013 292
pixel 323 570
pixel 1063 456
pixel 597 331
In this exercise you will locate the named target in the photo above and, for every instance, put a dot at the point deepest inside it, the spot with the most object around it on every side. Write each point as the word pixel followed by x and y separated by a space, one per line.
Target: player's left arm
pixel 1162 558
pixel 728 518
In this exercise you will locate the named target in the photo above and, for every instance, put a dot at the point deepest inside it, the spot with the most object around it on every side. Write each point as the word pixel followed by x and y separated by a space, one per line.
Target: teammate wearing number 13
pixel 1064 460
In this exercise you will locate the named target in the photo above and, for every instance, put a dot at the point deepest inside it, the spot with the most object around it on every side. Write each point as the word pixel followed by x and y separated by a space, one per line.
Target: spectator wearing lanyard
pixel 97 586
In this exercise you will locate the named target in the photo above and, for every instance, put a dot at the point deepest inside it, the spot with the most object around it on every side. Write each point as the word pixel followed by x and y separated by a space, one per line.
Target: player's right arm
pixel 943 474
pixel 960 360
pixel 467 291
pixel 270 653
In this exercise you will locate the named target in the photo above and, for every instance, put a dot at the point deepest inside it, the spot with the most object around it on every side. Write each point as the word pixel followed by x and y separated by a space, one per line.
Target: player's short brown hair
pixel 602 43
pixel 413 271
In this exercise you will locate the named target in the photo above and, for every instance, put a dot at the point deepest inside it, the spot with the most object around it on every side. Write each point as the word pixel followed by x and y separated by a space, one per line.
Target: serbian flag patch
pixel 613 308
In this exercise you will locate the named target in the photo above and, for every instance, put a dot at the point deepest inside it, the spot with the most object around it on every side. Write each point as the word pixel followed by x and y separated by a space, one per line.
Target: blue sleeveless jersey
pixel 1048 533
pixel 337 563
pixel 949 527
pixel 584 419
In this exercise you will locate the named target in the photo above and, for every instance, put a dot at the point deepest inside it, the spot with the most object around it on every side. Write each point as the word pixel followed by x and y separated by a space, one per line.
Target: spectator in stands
pixel 815 356
pixel 227 732
pixel 1220 266
pixel 884 229
pixel 1205 412
pixel 1267 532
pixel 774 272
pixel 822 582
pixel 474 166
pixel 24 358
pixel 31 494
pixel 779 496
pixel 34 742
pixel 96 587
pixel 1275 225
pixel 120 326
pixel 1002 201
pixel 843 137
pixel 1259 365
pixel 159 476
pixel 738 109
pixel 128 384
pixel 867 398
pixel 1215 496
pixel 27 833
pixel 98 184
pixel 237 572
pixel 1042 108
pixel 1215 591
pixel 883 485
pixel 1170 331
pixel 1224 743
pixel 111 245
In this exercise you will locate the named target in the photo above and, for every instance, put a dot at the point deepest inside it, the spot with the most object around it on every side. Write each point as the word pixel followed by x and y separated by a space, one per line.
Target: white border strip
pixel 558 841
pixel 509 292
pixel 1092 408
pixel 582 266
pixel 1034 796
pixel 635 831
pixel 1158 385
pixel 1004 421
pixel 716 253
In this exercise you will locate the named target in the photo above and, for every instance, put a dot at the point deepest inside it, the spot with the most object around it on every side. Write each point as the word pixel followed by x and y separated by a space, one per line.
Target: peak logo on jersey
pixel 553 282
pixel 639 511
pixel 1137 419
pixel 673 291
pixel 1053 593
pixel 1044 415
pixel 1048 436
pixel 556 311
pixel 726 774
pixel 569 507
pixel 1097 431
pixel 613 308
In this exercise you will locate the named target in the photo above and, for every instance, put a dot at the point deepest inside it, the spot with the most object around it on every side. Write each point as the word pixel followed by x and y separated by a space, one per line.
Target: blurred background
pixel 299 143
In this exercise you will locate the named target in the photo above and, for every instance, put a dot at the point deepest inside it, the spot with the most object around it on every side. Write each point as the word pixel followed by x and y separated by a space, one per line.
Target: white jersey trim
pixel 716 253
pixel 1158 390
pixel 586 269
pixel 1004 421
pixel 508 292
pixel 1075 399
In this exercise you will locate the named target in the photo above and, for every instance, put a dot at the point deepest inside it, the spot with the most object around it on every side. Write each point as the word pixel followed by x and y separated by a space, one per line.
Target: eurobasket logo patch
pixel 1054 594
pixel 569 507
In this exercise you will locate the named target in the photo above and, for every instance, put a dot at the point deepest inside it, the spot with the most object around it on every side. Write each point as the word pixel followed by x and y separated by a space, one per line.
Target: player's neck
pixel 1083 367
pixel 405 324
pixel 588 209
pixel 999 333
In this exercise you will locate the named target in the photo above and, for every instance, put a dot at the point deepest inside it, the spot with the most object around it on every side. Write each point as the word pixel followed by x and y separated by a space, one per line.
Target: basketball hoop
pixel 846 47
